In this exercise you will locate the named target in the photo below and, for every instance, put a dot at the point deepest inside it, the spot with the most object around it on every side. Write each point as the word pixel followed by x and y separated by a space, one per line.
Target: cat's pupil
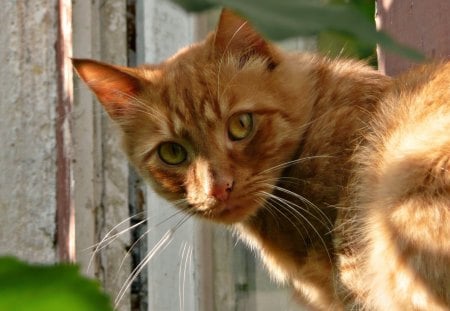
pixel 240 126
pixel 242 122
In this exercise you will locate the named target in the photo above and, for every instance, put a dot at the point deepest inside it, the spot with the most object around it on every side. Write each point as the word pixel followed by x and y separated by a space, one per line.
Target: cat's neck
pixel 344 96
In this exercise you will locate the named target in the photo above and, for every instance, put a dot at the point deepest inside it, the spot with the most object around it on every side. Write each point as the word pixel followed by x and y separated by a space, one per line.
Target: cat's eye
pixel 172 153
pixel 240 126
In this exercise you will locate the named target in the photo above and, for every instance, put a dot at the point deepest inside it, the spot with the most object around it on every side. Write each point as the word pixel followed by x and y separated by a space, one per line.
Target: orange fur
pixel 401 244
pixel 342 182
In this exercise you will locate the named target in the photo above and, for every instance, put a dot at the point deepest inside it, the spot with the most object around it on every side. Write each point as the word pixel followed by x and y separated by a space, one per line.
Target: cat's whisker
pixel 293 180
pixel 162 244
pixel 263 202
pixel 328 223
pixel 269 207
pixel 170 217
pixel 292 162
pixel 142 236
pixel 278 207
pixel 179 203
pixel 349 208
pixel 188 267
pixel 186 258
pixel 107 235
pixel 108 238
pixel 157 248
pixel 180 277
pixel 306 125
pixel 349 226
pixel 293 211
pixel 285 180
pixel 131 248
pixel 309 203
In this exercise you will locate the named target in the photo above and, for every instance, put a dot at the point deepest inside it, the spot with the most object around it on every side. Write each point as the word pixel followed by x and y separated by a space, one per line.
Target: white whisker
pixel 159 247
pixel 293 211
pixel 264 203
pixel 184 267
pixel 292 162
pixel 131 248
pixel 309 203
pixel 181 275
pixel 277 208
pixel 107 239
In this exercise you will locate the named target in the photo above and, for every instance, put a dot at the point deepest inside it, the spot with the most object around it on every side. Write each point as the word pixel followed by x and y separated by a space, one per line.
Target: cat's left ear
pixel 235 35
pixel 114 86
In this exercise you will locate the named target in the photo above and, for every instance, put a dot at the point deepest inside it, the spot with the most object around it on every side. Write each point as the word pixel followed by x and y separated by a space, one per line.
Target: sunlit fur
pixel 342 186
pixel 395 244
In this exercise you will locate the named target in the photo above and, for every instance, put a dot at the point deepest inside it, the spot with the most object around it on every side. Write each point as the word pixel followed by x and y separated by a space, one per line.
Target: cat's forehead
pixel 197 94
pixel 193 105
pixel 200 83
pixel 197 89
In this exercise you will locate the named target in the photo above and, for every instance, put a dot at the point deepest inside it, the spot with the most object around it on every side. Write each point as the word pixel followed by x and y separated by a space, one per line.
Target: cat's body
pixel 395 247
pixel 337 175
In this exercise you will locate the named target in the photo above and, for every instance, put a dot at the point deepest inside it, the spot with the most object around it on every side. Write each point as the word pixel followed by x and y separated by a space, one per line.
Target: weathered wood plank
pixel 28 97
pixel 100 167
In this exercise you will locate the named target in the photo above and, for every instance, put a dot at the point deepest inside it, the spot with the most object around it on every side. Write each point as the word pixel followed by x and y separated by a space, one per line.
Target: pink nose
pixel 222 188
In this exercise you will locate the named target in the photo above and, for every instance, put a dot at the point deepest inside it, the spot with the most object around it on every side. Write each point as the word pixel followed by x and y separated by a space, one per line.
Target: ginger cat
pixel 337 175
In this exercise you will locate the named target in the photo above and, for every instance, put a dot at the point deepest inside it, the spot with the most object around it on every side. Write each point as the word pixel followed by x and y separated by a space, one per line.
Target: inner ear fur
pixel 236 36
pixel 114 86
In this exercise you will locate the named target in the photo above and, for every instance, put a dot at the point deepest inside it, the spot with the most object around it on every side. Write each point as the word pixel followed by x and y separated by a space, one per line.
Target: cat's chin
pixel 231 213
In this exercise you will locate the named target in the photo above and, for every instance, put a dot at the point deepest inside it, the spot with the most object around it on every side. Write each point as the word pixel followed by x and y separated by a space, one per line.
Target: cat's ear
pixel 114 86
pixel 235 35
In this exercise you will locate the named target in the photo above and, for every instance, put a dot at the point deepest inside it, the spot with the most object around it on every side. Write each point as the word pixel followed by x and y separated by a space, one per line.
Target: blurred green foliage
pixel 334 43
pixel 342 19
pixel 25 287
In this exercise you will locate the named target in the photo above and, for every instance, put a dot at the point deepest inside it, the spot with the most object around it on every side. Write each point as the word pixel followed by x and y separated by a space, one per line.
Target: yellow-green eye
pixel 240 126
pixel 172 153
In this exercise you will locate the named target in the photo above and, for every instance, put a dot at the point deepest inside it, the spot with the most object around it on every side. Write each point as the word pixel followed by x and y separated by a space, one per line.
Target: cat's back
pixel 413 120
pixel 417 94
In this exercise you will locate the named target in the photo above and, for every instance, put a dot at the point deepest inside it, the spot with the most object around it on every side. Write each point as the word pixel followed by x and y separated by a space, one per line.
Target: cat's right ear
pixel 114 86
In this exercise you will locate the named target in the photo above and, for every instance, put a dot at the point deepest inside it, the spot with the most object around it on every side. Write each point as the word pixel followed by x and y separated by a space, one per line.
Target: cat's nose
pixel 222 188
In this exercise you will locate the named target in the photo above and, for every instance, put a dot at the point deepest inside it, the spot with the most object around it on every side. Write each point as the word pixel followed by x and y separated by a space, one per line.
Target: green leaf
pixel 289 18
pixel 25 287
pixel 196 5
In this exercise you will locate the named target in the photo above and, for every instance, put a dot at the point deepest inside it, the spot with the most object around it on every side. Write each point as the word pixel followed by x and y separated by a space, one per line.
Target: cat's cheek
pixel 172 182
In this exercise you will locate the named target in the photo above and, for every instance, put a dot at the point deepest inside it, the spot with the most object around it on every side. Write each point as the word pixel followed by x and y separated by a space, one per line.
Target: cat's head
pixel 213 125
